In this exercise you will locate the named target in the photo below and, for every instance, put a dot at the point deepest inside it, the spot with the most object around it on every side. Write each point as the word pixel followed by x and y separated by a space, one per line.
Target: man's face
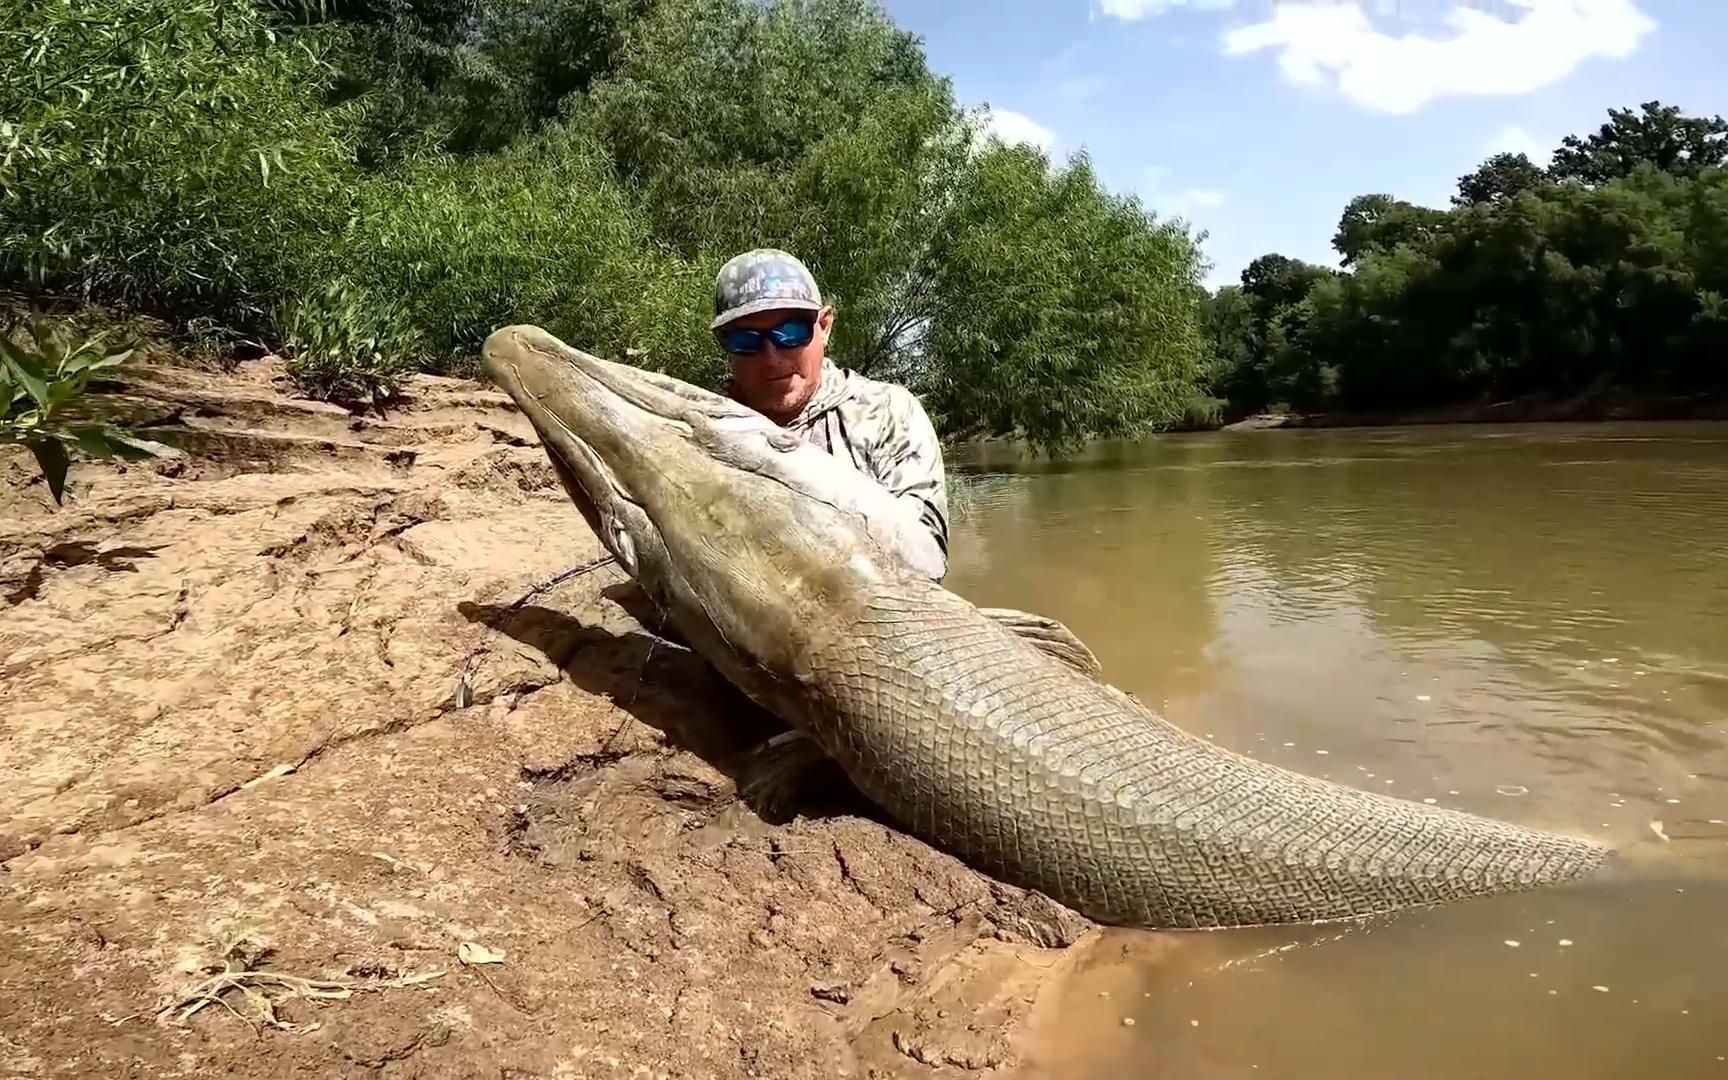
pixel 777 382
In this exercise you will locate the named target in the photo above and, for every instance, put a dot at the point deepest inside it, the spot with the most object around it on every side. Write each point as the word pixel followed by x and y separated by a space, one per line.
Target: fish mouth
pixel 607 428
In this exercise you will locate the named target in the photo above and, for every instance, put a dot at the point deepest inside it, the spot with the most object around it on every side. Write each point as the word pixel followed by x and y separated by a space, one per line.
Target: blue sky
pixel 1257 120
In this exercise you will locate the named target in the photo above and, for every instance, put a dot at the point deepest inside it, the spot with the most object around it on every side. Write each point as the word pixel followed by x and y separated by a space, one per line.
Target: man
pixel 770 319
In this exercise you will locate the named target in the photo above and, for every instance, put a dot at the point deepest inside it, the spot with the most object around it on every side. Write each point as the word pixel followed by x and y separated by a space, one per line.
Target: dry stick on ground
pixel 264 990
pixel 464 681
pixel 464 695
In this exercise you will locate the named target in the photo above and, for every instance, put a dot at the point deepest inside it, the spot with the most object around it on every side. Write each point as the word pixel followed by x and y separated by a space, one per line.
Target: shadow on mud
pixel 670 688
pixel 116 560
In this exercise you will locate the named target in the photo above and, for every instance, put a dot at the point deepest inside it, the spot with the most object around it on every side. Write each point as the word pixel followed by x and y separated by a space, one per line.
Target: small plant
pixel 1201 412
pixel 42 383
pixel 346 346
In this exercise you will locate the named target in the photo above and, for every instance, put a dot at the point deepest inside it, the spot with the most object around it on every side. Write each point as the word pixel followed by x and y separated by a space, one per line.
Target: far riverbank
pixel 1534 408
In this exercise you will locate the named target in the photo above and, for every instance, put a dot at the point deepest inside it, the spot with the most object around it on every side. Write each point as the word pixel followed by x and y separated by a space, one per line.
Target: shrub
pixel 166 154
pixel 347 345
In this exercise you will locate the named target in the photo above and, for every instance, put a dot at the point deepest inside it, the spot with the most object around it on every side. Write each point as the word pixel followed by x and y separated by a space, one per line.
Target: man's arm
pixel 908 462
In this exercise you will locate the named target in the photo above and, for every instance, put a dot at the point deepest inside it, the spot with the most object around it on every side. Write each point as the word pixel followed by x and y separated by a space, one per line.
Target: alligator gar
pixel 808 587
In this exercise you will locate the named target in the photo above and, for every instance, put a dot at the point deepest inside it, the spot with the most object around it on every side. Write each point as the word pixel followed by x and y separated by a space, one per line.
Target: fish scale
pixel 1051 780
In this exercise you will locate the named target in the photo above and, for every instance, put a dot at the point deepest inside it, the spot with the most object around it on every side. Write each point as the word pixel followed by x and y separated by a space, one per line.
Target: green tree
pixel 1501 177
pixel 1381 223
pixel 1236 346
pixel 1657 135
pixel 715 102
pixel 373 185
pixel 165 154
pixel 1278 281
pixel 540 232
pixel 1062 311
pixel 877 195
pixel 1255 331
pixel 462 76
pixel 1606 277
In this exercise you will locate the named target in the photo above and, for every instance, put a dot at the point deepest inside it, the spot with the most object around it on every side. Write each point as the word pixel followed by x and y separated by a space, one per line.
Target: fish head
pixel 726 520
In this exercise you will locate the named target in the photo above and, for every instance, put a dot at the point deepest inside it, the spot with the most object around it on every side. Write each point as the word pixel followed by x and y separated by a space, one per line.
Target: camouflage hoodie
pixel 883 432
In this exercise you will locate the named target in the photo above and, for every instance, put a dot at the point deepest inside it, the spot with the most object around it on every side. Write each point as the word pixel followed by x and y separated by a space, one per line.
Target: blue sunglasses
pixel 790 334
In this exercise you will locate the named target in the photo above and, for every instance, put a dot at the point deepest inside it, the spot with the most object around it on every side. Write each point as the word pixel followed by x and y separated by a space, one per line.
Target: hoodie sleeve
pixel 906 458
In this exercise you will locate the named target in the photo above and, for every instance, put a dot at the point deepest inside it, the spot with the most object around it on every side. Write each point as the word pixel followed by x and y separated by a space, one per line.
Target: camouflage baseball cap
pixel 762 280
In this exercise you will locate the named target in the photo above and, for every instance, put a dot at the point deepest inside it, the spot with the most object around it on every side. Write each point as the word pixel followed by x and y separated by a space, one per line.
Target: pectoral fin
pixel 1051 636
pixel 773 778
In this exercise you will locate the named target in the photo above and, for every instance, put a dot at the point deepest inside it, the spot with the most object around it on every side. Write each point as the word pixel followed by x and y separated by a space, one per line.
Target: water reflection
pixel 1125 563
pixel 1531 623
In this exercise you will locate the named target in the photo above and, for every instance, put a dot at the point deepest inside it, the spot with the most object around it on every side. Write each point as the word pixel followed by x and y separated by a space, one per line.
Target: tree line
pixel 1601 273
pixel 372 186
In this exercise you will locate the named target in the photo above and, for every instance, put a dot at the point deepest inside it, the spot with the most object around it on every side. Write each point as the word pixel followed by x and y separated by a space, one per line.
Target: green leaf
pixel 108 441
pixel 51 457
pixel 61 391
pixel 26 371
pixel 91 358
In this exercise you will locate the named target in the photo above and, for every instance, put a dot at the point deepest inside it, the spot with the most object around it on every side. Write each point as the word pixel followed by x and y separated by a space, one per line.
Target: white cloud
pixel 1512 139
pixel 1133 10
pixel 1320 43
pixel 1012 127
pixel 1180 203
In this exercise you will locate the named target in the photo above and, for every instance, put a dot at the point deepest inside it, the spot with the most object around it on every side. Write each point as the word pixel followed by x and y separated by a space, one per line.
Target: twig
pixel 508 999
pixel 264 990
pixel 470 663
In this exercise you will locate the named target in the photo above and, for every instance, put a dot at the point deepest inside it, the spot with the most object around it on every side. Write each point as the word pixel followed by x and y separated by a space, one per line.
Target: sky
pixel 1257 120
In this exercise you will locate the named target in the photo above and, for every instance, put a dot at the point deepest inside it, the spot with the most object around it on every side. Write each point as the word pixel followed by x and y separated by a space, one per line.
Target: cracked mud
pixel 232 712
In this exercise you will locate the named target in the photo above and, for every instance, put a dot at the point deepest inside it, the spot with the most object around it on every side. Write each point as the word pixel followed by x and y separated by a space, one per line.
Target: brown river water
pixel 1528 622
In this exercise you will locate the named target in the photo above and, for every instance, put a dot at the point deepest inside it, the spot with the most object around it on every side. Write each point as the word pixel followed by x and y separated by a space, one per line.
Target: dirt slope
pixel 231 720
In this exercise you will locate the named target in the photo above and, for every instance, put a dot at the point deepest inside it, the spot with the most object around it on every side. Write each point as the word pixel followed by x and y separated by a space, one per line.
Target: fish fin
pixel 772 777
pixel 1047 634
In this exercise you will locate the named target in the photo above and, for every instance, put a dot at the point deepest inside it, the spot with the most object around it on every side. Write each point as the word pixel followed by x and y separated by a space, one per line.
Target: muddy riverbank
pixel 234 756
